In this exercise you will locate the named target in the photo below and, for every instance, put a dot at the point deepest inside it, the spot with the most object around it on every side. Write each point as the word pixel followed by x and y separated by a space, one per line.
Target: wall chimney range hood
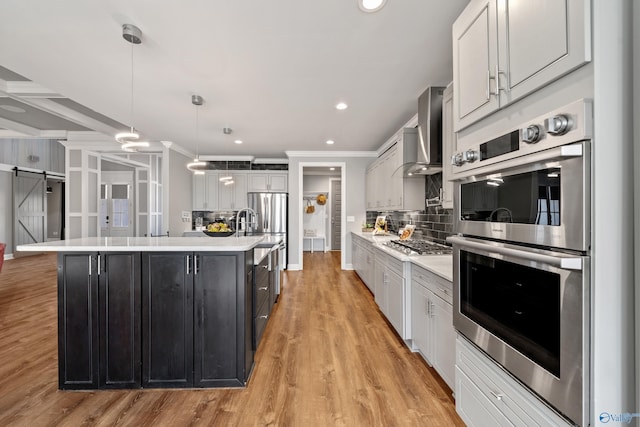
pixel 429 158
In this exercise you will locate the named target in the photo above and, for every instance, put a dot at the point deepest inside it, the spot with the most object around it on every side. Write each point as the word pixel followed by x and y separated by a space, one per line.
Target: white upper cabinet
pixel 387 187
pixel 506 49
pixel 232 196
pixel 268 181
pixel 205 192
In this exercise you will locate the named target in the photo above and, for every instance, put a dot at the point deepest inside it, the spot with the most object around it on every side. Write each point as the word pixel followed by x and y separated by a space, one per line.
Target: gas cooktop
pixel 419 247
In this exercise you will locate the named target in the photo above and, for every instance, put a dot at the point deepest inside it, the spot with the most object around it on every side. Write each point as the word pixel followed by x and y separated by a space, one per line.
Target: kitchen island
pixel 171 312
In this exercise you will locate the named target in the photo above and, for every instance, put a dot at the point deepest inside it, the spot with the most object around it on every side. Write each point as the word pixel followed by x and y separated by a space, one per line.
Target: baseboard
pixel 293 267
pixel 348 267
pixel 8 256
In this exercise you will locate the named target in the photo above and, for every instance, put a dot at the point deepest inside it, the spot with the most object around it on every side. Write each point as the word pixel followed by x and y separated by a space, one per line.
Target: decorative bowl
pixel 218 233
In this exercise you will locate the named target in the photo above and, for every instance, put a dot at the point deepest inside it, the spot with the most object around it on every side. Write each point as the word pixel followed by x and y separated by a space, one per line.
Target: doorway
pixel 320 228
pixel 116 204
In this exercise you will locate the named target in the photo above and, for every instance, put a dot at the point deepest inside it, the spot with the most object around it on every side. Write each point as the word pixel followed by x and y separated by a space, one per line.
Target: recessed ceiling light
pixel 371 5
pixel 237 141
pixel 13 108
pixel 332 169
pixel 341 106
pixel 331 142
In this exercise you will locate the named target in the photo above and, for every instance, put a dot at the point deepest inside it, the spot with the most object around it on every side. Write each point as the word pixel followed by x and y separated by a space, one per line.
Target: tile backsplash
pixel 433 223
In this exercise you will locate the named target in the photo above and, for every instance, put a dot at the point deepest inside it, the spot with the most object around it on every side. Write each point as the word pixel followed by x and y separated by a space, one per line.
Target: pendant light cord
pixel 132 130
pixel 197 134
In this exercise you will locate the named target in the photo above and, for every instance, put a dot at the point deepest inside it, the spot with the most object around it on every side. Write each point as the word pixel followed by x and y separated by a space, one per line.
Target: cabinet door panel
pixel 199 195
pixel 216 336
pixel 445 340
pixel 167 320
pixel 211 191
pixel 537 36
pixel 278 182
pixel 258 182
pixel 120 355
pixel 395 302
pixel 77 321
pixel 474 59
pixel 419 319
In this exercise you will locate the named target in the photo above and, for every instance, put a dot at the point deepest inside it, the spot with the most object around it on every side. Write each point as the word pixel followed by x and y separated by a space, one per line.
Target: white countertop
pixel 442 265
pixel 146 244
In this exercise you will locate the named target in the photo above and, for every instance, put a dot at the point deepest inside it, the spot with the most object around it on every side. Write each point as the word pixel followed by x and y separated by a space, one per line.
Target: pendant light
pixel 129 140
pixel 197 166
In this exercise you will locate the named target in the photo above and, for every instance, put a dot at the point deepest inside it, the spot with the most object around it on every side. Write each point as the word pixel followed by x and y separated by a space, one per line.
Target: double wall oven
pixel 522 253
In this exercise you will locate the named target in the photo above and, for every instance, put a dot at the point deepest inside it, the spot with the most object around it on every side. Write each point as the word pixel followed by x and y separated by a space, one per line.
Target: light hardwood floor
pixel 327 358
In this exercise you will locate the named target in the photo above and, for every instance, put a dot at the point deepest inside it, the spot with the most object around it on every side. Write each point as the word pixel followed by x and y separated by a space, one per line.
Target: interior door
pixel 116 210
pixel 336 214
pixel 30 207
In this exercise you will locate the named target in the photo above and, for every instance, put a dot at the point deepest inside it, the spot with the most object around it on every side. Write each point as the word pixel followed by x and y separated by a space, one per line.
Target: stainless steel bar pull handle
pixel 566 263
pixel 188 265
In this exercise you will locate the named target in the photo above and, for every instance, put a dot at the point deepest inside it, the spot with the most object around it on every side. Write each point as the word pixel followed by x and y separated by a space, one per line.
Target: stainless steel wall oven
pixel 521 256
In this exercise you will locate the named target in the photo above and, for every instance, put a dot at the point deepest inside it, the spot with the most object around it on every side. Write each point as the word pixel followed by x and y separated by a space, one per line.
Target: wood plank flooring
pixel 327 358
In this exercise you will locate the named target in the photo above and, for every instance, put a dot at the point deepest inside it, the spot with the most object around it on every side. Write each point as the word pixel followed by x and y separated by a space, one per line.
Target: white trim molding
pixel 340 154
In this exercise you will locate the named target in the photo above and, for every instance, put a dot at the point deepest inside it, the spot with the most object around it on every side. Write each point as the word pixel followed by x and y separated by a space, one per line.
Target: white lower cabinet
pixel 390 290
pixel 488 396
pixel 432 332
pixel 362 259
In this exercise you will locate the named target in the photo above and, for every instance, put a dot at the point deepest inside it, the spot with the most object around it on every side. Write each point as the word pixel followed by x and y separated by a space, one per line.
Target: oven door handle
pixel 564 262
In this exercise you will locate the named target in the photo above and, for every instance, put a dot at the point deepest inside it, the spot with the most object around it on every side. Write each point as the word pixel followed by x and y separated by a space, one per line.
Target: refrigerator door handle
pixel 266 213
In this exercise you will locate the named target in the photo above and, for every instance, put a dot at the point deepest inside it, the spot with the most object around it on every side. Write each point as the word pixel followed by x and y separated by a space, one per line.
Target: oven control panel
pixel 571 123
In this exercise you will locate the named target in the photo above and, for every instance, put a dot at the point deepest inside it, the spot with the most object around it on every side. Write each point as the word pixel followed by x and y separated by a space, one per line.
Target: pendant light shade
pixel 197 166
pixel 130 140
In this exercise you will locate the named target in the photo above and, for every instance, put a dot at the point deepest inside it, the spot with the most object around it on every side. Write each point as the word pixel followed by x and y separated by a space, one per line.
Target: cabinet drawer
pixel 436 284
pixel 260 284
pixel 394 265
pixel 473 406
pixel 260 295
pixel 260 322
pixel 519 405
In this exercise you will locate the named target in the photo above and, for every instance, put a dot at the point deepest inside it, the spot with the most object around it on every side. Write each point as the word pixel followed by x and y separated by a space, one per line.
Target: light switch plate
pixel 351 219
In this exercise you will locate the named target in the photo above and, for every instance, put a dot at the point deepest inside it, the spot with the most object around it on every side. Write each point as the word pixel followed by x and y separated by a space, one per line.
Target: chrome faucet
pixel 255 215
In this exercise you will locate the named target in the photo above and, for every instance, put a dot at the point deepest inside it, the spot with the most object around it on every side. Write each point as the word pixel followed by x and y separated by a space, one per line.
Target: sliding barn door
pixel 30 208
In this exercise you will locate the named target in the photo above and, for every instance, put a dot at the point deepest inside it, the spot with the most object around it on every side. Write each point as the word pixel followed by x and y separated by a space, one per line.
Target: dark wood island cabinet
pixel 156 318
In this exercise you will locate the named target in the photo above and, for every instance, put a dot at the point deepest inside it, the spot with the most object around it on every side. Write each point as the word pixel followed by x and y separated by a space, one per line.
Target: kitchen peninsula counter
pixel 154 312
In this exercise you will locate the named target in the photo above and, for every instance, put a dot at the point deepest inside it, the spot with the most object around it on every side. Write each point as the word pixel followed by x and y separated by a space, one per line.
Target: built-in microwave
pixel 530 185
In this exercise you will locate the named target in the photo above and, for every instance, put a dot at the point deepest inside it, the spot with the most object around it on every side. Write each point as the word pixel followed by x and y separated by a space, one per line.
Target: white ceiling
pixel 270 70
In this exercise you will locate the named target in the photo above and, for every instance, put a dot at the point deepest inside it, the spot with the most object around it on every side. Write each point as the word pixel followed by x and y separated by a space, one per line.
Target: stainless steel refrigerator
pixel 271 210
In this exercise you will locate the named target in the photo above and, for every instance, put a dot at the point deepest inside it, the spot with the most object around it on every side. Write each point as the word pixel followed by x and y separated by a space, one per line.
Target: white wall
pixel 353 201
pixel 178 191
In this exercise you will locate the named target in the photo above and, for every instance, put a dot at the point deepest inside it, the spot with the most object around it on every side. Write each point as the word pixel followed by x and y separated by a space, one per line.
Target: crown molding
pixel 227 158
pixel 270 161
pixel 331 154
